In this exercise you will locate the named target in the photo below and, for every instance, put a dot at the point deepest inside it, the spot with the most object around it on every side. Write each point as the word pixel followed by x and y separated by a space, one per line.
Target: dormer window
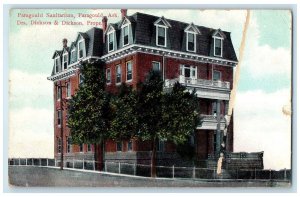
pixel 111 41
pixel 191 42
pixel 125 35
pixel 161 31
pixel 65 60
pixel 161 35
pixel 73 55
pixel 80 49
pixel 218 38
pixel 218 47
pixel 57 64
pixel 191 37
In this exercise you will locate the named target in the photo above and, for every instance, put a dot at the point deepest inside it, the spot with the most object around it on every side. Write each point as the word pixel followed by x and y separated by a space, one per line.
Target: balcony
pixel 210 122
pixel 204 88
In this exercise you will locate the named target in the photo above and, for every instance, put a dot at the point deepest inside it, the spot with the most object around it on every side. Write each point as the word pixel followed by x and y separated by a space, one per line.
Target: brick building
pixel 196 56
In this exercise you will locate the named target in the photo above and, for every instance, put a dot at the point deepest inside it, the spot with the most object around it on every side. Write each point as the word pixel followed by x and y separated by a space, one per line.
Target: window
pixel 111 41
pixel 218 44
pixel 156 66
pixel 81 78
pixel 57 64
pixel 119 146
pixel 191 42
pixel 128 71
pixel 160 145
pixel 68 90
pixel 58 145
pixel 80 49
pixel 130 146
pixel 215 140
pixel 81 148
pixel 217 75
pixel 69 145
pixel 58 93
pixel 125 35
pixel 108 75
pixel 65 61
pixel 89 147
pixel 161 33
pixel 118 74
pixel 73 55
pixel 59 117
pixel 188 71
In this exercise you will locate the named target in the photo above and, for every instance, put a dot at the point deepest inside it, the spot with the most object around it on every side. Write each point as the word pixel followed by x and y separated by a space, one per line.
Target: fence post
pixel 26 161
pixel 105 166
pixel 134 169
pixel 270 174
pixel 19 161
pixel 254 173
pixel 119 168
pixel 40 162
pixel 94 165
pixel 83 164
pixel 173 171
pixel 73 163
pixel 54 162
pixel 47 162
pixel 194 172
pixel 284 173
pixel 32 162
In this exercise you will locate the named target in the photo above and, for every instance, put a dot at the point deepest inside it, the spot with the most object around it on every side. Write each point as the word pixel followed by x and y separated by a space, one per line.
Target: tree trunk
pixel 153 159
pixel 98 154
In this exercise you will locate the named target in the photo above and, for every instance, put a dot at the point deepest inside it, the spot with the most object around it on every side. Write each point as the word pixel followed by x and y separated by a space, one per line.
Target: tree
pixel 125 118
pixel 165 116
pixel 89 111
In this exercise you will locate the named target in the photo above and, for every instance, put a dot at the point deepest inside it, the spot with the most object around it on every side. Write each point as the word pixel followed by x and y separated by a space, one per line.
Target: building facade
pixel 198 57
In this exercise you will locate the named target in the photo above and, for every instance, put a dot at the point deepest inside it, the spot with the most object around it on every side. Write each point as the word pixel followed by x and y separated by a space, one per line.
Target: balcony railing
pixel 210 122
pixel 198 82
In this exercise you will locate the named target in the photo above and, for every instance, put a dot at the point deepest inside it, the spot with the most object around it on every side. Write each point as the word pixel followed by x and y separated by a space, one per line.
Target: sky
pixel 263 90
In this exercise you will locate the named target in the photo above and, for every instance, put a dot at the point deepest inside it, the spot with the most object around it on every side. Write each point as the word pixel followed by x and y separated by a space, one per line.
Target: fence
pixel 161 171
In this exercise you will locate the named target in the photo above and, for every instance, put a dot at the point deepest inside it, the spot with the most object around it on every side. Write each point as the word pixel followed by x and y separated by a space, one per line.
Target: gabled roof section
pixel 192 28
pixel 83 35
pixel 65 49
pixel 162 21
pixel 72 45
pixel 111 27
pixel 125 21
pixel 219 34
pixel 56 53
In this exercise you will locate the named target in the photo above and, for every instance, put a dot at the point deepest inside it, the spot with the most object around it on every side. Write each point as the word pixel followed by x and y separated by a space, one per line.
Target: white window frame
pixel 81 145
pixel 191 68
pixel 73 56
pixel 219 38
pixel 129 80
pixel 118 83
pixel 187 41
pixel 123 30
pixel 63 60
pixel 108 69
pixel 218 72
pixel 68 90
pixel 117 146
pixel 89 148
pixel 113 35
pixel 130 141
pixel 165 45
pixel 158 65
pixel 55 63
pixel 83 48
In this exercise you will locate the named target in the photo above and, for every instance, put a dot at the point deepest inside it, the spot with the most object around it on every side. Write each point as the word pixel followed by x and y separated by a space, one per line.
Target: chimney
pixel 104 26
pixel 124 12
pixel 65 42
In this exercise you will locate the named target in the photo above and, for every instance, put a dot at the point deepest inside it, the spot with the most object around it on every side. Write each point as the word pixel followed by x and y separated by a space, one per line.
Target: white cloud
pixel 260 125
pixel 31 133
pixel 261 59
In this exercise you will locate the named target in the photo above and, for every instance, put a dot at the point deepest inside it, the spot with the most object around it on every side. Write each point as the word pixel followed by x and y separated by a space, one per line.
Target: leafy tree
pixel 125 118
pixel 89 111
